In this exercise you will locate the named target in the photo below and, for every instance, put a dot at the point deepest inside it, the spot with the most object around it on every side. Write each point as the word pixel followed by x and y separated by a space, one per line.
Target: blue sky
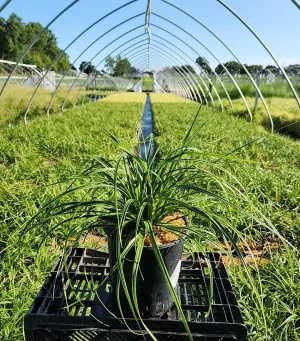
pixel 276 21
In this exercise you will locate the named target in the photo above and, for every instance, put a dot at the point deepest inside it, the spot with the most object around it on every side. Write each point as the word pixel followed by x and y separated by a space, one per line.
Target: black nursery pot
pixel 153 294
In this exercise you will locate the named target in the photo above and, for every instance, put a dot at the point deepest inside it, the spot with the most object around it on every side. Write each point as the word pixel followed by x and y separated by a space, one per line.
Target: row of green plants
pixel 265 168
pixel 147 84
pixel 15 99
pixel 284 112
pixel 277 89
pixel 223 193
pixel 279 98
pixel 35 160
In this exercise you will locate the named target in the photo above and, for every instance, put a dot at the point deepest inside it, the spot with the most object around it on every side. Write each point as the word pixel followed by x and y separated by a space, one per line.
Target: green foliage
pixel 293 69
pixel 119 66
pixel 122 67
pixel 232 67
pixel 235 68
pixel 204 64
pixel 110 64
pixel 277 89
pixel 33 159
pixel 12 107
pixel 269 172
pixel 87 67
pixel 252 69
pixel 139 194
pixel 148 84
pixel 272 68
pixel 15 36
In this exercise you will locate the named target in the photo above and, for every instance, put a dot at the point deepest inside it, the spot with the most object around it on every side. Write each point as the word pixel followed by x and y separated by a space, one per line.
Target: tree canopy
pixel 204 64
pixel 235 68
pixel 272 68
pixel 293 69
pixel 87 67
pixel 15 36
pixel 232 67
pixel 252 69
pixel 119 66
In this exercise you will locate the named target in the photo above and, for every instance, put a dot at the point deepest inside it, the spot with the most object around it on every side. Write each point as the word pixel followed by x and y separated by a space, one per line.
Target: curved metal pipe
pixel 144 67
pixel 209 81
pixel 266 48
pixel 182 86
pixel 193 76
pixel 121 45
pixel 4 5
pixel 182 76
pixel 33 41
pixel 113 41
pixel 217 59
pixel 201 89
pixel 229 50
pixel 162 51
pixel 296 3
pixel 60 54
pixel 122 52
pixel 112 52
pixel 178 91
pixel 182 89
pixel 54 93
pixel 190 96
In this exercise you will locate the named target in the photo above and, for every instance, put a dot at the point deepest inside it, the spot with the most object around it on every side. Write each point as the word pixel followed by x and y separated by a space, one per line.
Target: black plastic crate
pixel 65 306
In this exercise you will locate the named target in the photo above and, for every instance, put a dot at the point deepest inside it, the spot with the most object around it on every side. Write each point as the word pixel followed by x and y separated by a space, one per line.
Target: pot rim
pixel 164 246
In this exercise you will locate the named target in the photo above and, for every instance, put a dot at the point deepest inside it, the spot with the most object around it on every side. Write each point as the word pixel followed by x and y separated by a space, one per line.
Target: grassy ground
pixel 125 97
pixel 14 101
pixel 285 113
pixel 268 171
pixel 283 106
pixel 32 159
pixel 277 89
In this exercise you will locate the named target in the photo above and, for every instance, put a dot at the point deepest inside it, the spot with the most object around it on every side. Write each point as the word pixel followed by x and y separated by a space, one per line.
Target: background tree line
pixel 236 68
pixel 15 36
pixel 113 66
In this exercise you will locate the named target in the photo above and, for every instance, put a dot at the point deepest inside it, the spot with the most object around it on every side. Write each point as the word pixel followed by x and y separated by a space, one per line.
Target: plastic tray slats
pixel 73 295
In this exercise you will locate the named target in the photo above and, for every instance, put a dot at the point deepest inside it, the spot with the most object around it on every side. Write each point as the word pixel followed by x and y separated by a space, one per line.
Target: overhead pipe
pixel 229 50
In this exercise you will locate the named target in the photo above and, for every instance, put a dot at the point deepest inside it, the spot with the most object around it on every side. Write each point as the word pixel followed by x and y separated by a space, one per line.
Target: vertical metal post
pixel 257 80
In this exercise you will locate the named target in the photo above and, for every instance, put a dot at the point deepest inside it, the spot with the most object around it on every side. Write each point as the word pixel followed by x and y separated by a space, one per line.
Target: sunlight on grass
pixel 167 98
pixel 125 97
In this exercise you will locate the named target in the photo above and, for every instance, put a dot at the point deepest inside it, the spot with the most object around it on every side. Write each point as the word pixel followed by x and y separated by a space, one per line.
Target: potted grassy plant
pixel 142 205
